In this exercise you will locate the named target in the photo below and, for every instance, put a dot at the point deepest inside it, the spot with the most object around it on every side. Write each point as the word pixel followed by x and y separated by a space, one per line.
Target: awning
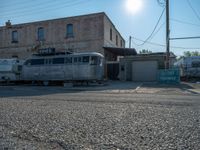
pixel 121 51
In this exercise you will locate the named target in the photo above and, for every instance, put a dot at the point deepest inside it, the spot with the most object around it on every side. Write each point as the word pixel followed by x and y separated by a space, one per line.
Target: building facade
pixel 83 33
pixel 143 67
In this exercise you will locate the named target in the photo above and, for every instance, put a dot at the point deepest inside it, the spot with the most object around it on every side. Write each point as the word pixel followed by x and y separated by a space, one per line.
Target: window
pixel 111 34
pixel 196 64
pixel 37 61
pixel 117 40
pixel 75 59
pixel 40 34
pixel 28 62
pixel 121 43
pixel 85 59
pixel 58 60
pixel 94 60
pixel 79 59
pixel 14 37
pixel 68 60
pixel 70 32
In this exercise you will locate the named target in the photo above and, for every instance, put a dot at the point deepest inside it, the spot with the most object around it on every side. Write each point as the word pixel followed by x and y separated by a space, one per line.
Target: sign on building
pixel 169 76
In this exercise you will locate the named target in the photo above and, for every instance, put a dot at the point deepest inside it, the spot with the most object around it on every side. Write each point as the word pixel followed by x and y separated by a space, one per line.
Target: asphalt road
pixel 56 118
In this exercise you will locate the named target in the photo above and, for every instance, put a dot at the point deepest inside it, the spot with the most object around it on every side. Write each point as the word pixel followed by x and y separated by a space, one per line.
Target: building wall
pixel 90 34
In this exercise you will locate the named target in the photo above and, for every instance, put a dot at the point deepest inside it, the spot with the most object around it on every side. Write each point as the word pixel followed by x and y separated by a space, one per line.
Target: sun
pixel 133 6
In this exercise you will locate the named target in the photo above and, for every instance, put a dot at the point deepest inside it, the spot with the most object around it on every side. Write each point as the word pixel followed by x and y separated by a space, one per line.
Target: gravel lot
pixel 34 117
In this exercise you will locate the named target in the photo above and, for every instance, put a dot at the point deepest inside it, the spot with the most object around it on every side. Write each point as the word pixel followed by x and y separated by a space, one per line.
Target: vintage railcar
pixel 10 70
pixel 189 67
pixel 64 67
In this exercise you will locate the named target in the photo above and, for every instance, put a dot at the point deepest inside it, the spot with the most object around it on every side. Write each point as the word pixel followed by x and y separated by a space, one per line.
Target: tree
pixel 191 53
pixel 145 51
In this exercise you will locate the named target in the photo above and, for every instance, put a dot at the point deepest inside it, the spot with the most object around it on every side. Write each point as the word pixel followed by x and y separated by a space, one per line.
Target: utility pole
pixel 167 36
pixel 130 41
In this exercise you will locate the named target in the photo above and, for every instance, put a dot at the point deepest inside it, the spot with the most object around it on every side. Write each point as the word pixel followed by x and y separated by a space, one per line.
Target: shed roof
pixel 121 51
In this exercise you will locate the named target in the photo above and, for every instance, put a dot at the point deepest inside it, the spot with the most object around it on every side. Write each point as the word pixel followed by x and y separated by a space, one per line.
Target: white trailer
pixel 189 66
pixel 10 70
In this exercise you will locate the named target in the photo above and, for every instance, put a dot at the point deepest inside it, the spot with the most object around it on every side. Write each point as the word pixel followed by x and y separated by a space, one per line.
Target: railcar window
pixel 94 60
pixel 86 59
pixel 28 62
pixel 58 60
pixel 75 59
pixel 37 61
pixel 68 60
pixel 196 64
pixel 79 59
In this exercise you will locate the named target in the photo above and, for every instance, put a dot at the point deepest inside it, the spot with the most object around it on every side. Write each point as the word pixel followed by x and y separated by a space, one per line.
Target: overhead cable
pixel 163 45
pixel 194 11
pixel 145 41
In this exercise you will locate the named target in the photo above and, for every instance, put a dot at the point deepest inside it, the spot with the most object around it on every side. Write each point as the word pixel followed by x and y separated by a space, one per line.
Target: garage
pixel 144 71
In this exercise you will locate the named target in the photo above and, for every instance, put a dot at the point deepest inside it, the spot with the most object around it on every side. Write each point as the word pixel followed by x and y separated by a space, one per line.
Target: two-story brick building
pixel 93 32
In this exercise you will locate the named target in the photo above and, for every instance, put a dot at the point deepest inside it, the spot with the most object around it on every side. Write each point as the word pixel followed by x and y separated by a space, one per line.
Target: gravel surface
pixel 54 118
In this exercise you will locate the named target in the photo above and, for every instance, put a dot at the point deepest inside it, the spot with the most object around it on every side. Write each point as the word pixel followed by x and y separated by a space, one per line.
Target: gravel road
pixel 54 118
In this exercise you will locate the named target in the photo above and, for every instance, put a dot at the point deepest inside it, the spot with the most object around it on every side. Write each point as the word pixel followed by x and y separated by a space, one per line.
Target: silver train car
pixel 189 67
pixel 64 67
pixel 10 70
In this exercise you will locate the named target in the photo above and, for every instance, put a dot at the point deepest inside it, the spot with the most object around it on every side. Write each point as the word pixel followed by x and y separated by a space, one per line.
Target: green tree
pixel 191 53
pixel 145 51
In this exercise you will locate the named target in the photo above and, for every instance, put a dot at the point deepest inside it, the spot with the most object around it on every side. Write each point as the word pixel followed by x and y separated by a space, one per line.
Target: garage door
pixel 144 71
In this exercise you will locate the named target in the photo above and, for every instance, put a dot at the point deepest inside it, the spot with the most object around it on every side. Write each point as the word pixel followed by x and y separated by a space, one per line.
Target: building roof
pixel 57 19
pixel 158 54
pixel 121 51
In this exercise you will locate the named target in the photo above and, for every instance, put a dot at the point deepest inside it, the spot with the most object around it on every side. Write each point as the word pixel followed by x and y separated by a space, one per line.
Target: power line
pixel 163 45
pixel 194 11
pixel 44 8
pixel 184 22
pixel 153 29
pixel 54 8
pixel 14 4
pixel 26 7
pixel 161 26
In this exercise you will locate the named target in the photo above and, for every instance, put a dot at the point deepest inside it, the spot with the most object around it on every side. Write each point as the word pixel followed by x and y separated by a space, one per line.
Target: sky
pixel 132 20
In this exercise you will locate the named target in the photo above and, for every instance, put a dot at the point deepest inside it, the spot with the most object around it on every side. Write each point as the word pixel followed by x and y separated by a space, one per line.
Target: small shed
pixel 143 67
pixel 112 55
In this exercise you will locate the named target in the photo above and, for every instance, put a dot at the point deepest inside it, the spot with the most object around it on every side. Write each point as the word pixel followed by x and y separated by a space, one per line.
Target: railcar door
pixel 96 67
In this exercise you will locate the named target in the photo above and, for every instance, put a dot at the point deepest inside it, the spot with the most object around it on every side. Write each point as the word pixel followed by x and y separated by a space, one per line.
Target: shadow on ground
pixel 33 90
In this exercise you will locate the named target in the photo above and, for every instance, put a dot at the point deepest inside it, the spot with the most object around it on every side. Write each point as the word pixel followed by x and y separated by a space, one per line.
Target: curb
pixel 193 91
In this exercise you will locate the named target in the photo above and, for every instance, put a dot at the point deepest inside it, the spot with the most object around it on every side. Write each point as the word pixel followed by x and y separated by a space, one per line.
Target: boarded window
pixel 58 60
pixel 14 36
pixel 70 29
pixel 40 33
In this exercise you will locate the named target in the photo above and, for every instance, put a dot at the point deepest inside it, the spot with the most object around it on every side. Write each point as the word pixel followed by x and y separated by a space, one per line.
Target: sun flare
pixel 133 6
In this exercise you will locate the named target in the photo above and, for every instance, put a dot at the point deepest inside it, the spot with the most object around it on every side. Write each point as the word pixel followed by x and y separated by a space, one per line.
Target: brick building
pixel 93 32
